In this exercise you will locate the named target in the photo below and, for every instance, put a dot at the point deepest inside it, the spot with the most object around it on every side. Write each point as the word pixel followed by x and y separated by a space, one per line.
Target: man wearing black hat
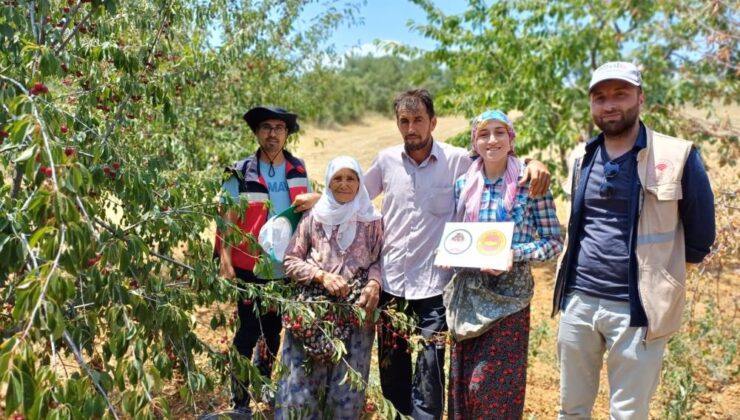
pixel 270 174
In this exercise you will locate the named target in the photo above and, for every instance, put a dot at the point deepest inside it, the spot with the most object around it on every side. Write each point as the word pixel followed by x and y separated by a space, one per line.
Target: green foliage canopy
pixel 116 119
pixel 536 57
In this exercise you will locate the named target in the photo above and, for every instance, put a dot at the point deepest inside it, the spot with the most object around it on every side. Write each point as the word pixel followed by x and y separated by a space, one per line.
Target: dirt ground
pixel 362 141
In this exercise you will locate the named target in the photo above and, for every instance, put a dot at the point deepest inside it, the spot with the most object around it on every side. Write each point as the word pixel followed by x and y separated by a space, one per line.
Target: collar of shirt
pixel 435 152
pixel 640 142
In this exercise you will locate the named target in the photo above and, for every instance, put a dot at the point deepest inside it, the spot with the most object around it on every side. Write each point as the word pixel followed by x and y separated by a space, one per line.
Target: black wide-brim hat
pixel 255 116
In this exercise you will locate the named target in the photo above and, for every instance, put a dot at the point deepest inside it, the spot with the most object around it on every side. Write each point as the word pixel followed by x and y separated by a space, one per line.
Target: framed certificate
pixel 475 245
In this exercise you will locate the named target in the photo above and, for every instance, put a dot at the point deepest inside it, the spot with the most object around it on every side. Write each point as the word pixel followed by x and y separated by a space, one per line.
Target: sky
pixel 384 20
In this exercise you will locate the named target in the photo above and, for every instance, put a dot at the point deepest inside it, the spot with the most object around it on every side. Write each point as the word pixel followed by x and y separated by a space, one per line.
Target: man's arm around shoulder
pixel 374 178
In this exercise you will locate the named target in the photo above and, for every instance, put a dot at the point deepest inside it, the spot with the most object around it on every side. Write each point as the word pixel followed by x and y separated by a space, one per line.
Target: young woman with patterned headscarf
pixel 488 367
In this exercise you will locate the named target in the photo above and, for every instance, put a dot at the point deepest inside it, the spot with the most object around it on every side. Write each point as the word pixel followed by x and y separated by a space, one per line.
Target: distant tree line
pixel 368 84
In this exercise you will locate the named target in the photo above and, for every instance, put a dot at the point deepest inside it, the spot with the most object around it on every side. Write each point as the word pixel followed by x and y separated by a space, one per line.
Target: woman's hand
pixel 494 272
pixel 369 298
pixel 336 285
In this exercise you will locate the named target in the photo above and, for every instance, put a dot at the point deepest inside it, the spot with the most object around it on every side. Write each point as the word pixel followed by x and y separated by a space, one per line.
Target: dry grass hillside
pixel 361 140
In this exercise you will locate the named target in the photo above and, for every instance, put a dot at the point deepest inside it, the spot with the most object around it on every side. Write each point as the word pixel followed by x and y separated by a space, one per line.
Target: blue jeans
pixel 420 393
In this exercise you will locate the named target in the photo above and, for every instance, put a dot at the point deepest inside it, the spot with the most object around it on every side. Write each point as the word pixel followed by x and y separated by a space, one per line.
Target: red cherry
pixel 116 165
pixel 65 9
pixel 93 260
pixel 247 302
pixel 370 407
pixel 134 284
pixel 4 134
pixel 106 169
pixel 39 89
pixel 308 333
pixel 63 129
pixel 46 171
pixel 69 151
pixel 296 327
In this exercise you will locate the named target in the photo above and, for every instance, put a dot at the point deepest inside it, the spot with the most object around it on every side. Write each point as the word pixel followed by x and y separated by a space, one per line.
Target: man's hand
pixel 495 272
pixel 336 285
pixel 305 201
pixel 538 177
pixel 225 268
pixel 369 298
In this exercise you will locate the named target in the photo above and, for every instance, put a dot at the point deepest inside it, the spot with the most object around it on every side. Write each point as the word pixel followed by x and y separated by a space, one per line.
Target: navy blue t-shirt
pixel 602 261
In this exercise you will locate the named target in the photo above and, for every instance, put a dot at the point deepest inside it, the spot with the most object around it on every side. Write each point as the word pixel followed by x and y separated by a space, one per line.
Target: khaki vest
pixel 660 250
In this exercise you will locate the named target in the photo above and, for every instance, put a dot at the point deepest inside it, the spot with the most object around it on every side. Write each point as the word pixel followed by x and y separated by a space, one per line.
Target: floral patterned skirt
pixel 488 374
pixel 318 390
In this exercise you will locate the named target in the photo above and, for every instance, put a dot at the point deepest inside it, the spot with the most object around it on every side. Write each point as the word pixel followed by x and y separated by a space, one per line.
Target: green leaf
pixel 49 64
pixel 21 391
pixel 26 154
pixel 40 234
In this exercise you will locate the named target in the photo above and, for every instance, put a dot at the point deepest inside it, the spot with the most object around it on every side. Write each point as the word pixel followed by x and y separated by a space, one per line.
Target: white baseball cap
pixel 620 70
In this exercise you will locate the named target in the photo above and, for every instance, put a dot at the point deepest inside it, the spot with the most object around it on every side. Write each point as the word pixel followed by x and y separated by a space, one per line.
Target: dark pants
pixel 254 324
pixel 419 393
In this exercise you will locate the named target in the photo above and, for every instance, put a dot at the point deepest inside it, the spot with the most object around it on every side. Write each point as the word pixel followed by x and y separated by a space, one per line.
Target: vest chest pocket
pixel 670 191
pixel 659 213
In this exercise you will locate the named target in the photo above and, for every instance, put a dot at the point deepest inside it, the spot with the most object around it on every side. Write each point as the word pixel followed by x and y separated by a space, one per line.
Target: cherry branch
pixel 42 295
pixel 81 362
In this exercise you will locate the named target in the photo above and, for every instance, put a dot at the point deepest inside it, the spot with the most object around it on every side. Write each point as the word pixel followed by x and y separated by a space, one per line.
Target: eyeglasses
pixel 607 189
pixel 277 129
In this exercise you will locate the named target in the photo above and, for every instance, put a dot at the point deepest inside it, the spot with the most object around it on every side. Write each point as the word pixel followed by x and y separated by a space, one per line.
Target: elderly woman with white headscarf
pixel 333 256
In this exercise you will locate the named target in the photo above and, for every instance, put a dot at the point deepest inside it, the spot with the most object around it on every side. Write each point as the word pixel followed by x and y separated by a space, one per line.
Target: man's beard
pixel 614 128
pixel 271 145
pixel 413 147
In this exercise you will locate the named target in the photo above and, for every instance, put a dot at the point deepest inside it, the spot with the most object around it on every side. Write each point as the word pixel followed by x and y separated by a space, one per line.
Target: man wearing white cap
pixel 642 208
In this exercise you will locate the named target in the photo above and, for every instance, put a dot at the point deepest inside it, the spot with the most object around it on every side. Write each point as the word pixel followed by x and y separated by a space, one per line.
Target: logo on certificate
pixel 458 241
pixel 491 242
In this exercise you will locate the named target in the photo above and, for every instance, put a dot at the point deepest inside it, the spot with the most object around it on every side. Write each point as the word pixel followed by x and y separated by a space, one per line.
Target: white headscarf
pixel 330 213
